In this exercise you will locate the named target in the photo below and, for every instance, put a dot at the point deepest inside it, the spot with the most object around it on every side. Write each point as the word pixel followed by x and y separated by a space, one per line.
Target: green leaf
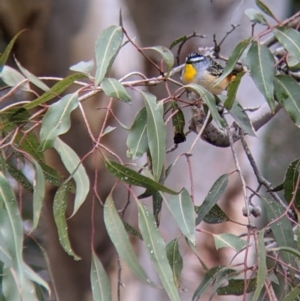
pixel 290 39
pixel 74 166
pixel 5 256
pixel 178 41
pixel 32 275
pixel 287 93
pixel 293 294
pixel 57 120
pixel 282 229
pixel 213 196
pixel 83 67
pixel 232 90
pixel 108 130
pixel 4 56
pixel 129 229
pixel 19 176
pixel 178 123
pixel 132 177
pixel 30 145
pixel 99 280
pixel 261 64
pixel 255 16
pixel 286 249
pixel 13 78
pixel 264 8
pixel 107 47
pixel 11 227
pixel 55 91
pixel 59 211
pixel 194 250
pixel 165 53
pixel 206 282
pixel 137 141
pixel 157 205
pixel 214 216
pixel 38 193
pixel 236 287
pixel 234 57
pixel 9 286
pixel 120 239
pixel 262 266
pixel 32 78
pixel 290 182
pixel 156 249
pixel 182 209
pixel 227 240
pixel 242 119
pixel 114 88
pixel 209 99
pixel 156 133
pixel 222 278
pixel 175 259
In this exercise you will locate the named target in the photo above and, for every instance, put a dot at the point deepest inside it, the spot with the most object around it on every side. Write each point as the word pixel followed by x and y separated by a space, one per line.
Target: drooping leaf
pixel 178 123
pixel 77 171
pixel 209 99
pixel 290 39
pixel 287 93
pixel 228 240
pixel 175 259
pixel 114 88
pixel 30 145
pixel 10 289
pixel 19 176
pixel 212 197
pixel 83 67
pixel 290 182
pixel 137 142
pixel 12 228
pixel 14 78
pixel 234 57
pixel 261 64
pixel 262 266
pixel 129 229
pixel 55 91
pixel 38 193
pixel 182 209
pixel 232 90
pixel 236 287
pixel 157 205
pixel 165 53
pixel 255 16
pixel 59 211
pixel 5 256
pixel 132 177
pixel 282 229
pixel 194 250
pixel 32 78
pixel 107 47
pixel 156 134
pixel 206 282
pixel 242 119
pixel 263 7
pixel 156 249
pixel 101 289
pixel 215 216
pixel 57 119
pixel 119 238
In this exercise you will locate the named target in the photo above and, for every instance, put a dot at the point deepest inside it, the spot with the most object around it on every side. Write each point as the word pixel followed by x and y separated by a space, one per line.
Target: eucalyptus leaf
pixel 107 47
pixel 83 67
pixel 261 64
pixel 182 210
pixel 165 53
pixel 57 119
pixel 263 7
pixel 255 16
pixel 156 249
pixel 228 240
pixel 14 78
pixel 137 141
pixel 156 134
pixel 113 88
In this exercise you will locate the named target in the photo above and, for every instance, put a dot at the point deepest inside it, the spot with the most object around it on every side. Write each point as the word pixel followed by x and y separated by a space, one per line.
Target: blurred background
pixel 62 33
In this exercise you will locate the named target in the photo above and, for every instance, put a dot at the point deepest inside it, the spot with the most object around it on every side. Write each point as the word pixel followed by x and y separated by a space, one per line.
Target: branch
pixel 220 137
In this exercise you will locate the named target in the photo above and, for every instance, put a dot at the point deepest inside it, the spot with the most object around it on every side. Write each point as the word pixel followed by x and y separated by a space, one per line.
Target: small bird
pixel 204 71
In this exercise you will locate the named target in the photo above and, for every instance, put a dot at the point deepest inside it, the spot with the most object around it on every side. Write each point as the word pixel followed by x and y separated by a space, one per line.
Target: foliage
pixel 275 74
